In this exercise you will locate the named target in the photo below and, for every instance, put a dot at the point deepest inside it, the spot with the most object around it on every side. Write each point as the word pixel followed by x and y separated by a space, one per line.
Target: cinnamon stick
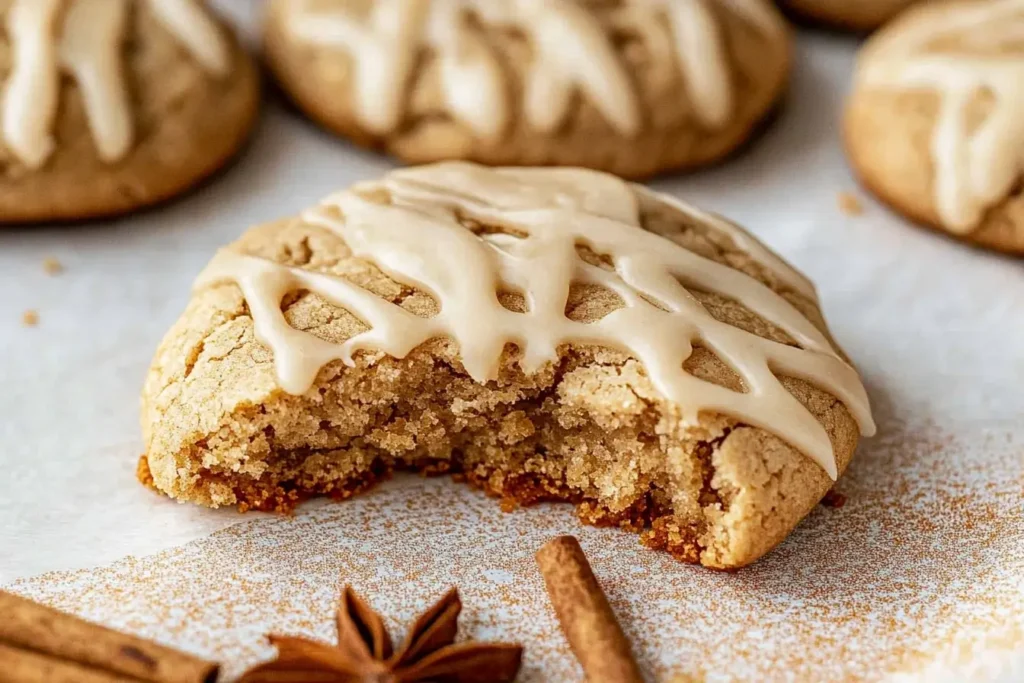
pixel 54 635
pixel 26 666
pixel 586 617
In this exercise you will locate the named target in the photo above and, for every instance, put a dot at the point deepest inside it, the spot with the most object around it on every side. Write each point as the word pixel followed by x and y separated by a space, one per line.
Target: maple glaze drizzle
pixel 407 225
pixel 85 39
pixel 572 51
pixel 975 167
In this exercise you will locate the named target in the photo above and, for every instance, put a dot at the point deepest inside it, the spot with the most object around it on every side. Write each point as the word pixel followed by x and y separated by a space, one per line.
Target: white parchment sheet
pixel 920 576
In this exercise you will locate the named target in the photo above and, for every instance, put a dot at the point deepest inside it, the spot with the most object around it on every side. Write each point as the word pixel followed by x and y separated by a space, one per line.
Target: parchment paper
pixel 920 576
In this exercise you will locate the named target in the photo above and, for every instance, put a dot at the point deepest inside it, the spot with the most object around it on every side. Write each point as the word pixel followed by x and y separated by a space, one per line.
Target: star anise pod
pixel 364 653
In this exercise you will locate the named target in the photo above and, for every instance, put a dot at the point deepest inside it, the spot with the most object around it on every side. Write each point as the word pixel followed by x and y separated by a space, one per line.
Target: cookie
pixel 935 124
pixel 854 15
pixel 546 334
pixel 634 87
pixel 110 105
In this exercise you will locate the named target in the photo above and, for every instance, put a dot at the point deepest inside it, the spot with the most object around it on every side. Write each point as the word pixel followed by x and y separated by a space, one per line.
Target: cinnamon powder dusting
pixel 916 577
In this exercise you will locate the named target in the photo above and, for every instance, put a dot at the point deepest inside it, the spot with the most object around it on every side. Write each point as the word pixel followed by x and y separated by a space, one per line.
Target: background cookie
pixel 713 455
pixel 633 88
pixel 857 15
pixel 109 105
pixel 935 125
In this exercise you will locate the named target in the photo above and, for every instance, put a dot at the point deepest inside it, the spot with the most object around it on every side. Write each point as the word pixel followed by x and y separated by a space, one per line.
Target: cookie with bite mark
pixel 547 334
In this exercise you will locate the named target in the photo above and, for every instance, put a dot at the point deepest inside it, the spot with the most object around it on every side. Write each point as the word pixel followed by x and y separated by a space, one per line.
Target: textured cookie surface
pixel 526 329
pixel 633 87
pixel 109 105
pixel 935 125
pixel 856 15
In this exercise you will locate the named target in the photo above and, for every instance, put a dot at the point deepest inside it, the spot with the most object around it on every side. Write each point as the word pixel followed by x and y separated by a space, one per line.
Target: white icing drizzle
pixel 90 49
pixel 702 59
pixel 30 100
pixel 974 170
pixel 382 54
pixel 747 243
pixel 193 26
pixel 417 240
pixel 85 39
pixel 572 52
pixel 471 77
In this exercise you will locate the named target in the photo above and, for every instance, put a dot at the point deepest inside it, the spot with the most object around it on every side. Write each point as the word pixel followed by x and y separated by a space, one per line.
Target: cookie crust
pixel 864 15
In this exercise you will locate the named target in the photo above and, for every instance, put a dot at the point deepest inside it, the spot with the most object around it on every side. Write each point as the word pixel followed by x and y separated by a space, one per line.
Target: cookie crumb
pixel 30 318
pixel 52 266
pixel 143 474
pixel 833 499
pixel 850 204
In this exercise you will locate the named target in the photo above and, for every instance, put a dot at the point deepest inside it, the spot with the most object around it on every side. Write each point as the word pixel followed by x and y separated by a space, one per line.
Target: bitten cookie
pixel 548 334
pixel 633 87
pixel 935 124
pixel 110 105
pixel 854 15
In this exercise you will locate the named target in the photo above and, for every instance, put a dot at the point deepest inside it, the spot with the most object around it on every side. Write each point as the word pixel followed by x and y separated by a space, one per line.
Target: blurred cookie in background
pixel 110 105
pixel 935 125
pixel 635 88
pixel 854 15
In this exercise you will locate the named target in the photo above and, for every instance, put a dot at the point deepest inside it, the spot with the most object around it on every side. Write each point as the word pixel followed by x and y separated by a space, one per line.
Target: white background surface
pixel 936 328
